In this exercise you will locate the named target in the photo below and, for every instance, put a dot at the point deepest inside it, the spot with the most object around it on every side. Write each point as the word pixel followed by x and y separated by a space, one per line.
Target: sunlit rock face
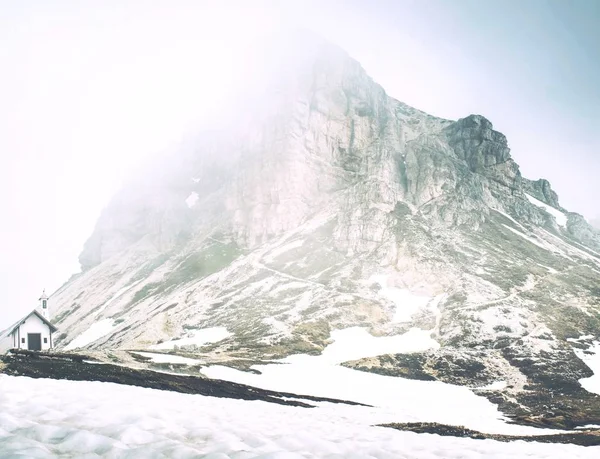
pixel 330 204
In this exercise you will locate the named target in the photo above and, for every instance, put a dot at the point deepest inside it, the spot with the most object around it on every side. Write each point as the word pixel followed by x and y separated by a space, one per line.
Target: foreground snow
pixel 48 418
pixel 45 418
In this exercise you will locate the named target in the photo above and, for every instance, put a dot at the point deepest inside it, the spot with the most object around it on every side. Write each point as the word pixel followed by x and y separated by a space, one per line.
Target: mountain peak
pixel 476 121
pixel 337 206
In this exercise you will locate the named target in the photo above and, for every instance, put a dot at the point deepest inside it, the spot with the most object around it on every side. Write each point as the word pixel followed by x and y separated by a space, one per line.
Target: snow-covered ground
pixel 395 399
pixel 48 418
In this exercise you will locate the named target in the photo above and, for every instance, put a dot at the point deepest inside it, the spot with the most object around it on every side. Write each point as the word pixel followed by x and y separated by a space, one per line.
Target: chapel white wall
pixel 34 324
pixel 6 344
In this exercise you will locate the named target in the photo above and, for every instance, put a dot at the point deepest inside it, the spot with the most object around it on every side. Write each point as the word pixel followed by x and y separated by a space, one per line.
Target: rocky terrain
pixel 590 437
pixel 81 367
pixel 333 205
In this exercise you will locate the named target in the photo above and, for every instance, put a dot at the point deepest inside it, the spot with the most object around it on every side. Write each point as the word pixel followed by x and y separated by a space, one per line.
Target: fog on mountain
pixel 319 257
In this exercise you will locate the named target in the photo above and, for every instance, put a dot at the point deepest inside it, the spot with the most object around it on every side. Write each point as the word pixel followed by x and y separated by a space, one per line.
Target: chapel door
pixel 34 341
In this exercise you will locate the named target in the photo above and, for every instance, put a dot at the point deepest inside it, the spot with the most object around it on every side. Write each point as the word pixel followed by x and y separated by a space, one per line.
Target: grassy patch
pixel 145 292
pixel 317 332
pixel 148 268
pixel 60 317
pixel 203 263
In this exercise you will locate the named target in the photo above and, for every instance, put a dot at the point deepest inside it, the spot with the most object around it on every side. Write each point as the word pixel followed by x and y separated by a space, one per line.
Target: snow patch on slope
pixel 95 332
pixel 115 296
pixel 504 214
pixel 560 218
pixel 496 385
pixel 524 236
pixel 406 302
pixel 591 384
pixel 566 247
pixel 192 199
pixel 357 343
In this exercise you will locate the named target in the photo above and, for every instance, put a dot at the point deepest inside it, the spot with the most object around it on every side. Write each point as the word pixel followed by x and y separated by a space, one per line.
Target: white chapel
pixel 33 332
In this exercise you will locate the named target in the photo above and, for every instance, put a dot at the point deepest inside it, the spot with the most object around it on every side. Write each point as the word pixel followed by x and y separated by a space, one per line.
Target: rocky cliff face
pixel 335 205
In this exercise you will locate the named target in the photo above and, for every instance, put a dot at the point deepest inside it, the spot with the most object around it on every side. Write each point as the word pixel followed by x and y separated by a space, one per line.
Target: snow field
pixel 49 418
pixel 395 399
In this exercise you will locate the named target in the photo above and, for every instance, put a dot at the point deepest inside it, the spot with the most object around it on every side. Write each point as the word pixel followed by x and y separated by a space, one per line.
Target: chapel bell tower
pixel 43 306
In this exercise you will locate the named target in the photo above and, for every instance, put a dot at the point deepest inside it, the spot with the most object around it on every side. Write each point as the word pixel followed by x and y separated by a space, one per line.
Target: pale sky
pixel 87 89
